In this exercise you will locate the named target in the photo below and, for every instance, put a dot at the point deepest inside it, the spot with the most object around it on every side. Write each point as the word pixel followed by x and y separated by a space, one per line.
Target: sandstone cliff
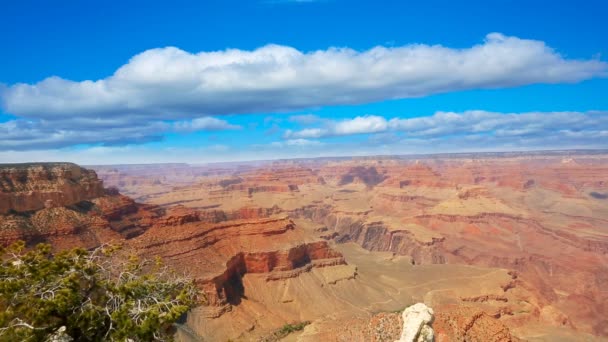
pixel 65 205
pixel 29 187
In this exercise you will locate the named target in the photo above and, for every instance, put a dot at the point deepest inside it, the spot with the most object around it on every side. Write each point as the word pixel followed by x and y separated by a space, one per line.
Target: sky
pixel 113 82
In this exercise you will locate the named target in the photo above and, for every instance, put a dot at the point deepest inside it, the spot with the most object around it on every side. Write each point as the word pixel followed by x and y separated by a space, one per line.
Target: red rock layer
pixel 28 187
pixel 282 264
pixel 86 224
pixel 415 175
pixel 375 236
pixel 65 205
pixel 179 215
pixel 287 175
pixel 217 255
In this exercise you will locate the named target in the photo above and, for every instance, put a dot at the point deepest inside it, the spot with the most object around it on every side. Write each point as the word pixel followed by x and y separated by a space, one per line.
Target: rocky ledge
pixel 67 206
pixel 29 187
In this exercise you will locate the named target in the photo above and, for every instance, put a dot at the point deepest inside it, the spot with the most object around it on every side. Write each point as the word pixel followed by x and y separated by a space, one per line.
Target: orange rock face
pixel 288 175
pixel 67 206
pixel 415 175
pixel 218 255
pixel 26 187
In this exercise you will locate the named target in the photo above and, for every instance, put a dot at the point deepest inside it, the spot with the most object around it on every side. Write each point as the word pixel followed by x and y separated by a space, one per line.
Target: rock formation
pixel 417 320
pixel 29 187
pixel 67 206
pixel 459 323
pixel 218 255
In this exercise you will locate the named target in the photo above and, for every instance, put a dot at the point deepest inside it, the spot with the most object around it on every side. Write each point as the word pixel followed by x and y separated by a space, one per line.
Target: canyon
pixel 502 247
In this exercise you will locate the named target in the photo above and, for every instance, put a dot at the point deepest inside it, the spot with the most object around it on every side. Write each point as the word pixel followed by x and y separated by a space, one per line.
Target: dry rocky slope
pixel 500 248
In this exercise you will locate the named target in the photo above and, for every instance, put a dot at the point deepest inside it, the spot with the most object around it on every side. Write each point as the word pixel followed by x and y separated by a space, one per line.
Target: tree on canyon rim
pixel 88 295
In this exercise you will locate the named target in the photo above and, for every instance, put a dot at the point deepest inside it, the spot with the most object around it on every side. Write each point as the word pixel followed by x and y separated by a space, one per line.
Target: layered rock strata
pixel 30 187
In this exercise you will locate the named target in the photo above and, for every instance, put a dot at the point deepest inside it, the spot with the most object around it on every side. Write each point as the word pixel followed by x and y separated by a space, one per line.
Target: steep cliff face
pixel 219 254
pixel 179 215
pixel 415 175
pixel 28 187
pixel 374 236
pixel 65 205
pixel 290 175
pixel 362 175
pixel 227 288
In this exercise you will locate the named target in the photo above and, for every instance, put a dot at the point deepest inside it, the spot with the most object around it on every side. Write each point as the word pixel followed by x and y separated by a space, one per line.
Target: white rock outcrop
pixel 60 336
pixel 417 321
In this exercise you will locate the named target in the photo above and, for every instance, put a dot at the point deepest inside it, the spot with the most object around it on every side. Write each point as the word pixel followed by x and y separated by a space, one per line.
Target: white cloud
pixel 205 123
pixel 306 133
pixel 584 130
pixel 21 134
pixel 27 135
pixel 169 83
pixel 500 124
pixel 357 125
pixel 469 123
pixel 361 124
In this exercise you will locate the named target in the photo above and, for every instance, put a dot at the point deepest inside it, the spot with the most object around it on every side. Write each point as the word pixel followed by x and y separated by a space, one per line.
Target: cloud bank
pixel 172 83
pixel 21 135
pixel 466 125
pixel 443 132
pixel 167 89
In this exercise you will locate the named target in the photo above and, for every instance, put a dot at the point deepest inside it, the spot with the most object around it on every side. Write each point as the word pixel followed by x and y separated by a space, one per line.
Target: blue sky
pixel 144 81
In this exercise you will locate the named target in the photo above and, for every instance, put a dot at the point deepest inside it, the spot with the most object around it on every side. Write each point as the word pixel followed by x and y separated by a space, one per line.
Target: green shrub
pixel 285 330
pixel 88 295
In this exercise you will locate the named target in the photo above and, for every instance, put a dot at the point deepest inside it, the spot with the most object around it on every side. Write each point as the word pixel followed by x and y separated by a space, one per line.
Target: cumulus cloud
pixel 358 125
pixel 361 124
pixel 172 83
